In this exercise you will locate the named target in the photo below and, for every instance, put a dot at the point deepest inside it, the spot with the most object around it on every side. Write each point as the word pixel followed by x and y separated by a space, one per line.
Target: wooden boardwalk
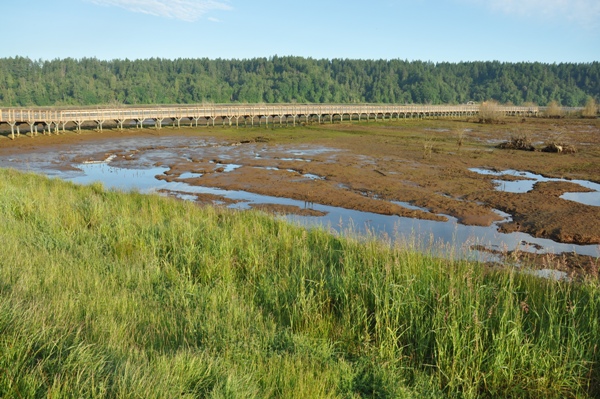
pixel 56 119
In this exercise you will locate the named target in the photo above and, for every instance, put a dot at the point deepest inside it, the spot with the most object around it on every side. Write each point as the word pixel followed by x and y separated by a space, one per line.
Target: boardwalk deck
pixel 57 118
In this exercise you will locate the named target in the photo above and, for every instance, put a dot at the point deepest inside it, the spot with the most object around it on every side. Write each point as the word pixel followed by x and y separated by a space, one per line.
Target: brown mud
pixel 542 213
pixel 278 209
pixel 364 166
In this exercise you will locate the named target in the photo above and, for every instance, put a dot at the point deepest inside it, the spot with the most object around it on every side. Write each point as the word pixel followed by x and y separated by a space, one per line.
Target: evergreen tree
pixel 89 81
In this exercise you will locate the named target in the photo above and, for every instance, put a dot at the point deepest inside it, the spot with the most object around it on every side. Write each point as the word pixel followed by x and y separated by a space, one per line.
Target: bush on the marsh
pixel 554 110
pixel 490 112
pixel 591 108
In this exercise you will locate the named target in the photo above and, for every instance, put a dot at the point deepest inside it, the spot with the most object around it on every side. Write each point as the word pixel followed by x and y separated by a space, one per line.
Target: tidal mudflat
pixel 436 183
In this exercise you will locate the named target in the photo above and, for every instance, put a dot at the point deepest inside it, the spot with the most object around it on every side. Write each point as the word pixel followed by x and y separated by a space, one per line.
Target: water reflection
pixel 451 238
pixel 530 179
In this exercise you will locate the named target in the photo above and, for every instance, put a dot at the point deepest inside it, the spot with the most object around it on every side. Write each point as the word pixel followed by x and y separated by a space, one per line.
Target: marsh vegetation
pixel 108 294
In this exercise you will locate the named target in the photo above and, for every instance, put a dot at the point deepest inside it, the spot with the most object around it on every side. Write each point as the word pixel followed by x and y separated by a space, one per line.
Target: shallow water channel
pixel 82 164
pixel 529 180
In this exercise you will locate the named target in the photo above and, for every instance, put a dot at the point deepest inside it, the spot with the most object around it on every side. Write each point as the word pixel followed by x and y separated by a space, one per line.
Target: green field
pixel 106 294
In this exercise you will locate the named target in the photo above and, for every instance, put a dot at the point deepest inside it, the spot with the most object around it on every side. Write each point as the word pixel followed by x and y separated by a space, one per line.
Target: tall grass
pixel 105 294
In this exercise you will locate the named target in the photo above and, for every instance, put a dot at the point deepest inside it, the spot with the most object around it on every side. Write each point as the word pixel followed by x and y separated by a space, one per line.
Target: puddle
pixel 591 198
pixel 190 175
pixel 187 197
pixel 267 167
pixel 309 151
pixel 410 206
pixel 550 274
pixel 295 159
pixel 313 177
pixel 530 179
pixel 108 159
pixel 295 172
pixel 230 167
pixel 142 180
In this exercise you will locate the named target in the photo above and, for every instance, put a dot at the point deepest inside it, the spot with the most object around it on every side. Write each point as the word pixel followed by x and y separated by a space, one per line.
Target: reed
pixel 108 295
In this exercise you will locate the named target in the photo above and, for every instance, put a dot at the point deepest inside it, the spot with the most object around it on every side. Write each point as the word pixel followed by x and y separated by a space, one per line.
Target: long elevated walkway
pixel 56 119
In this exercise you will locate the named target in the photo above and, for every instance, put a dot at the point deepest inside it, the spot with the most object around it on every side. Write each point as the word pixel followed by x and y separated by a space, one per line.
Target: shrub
pixel 591 108
pixel 560 147
pixel 554 110
pixel 490 112
pixel 518 142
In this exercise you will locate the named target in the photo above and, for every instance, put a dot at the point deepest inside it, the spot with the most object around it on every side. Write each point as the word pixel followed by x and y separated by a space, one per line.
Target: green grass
pixel 105 294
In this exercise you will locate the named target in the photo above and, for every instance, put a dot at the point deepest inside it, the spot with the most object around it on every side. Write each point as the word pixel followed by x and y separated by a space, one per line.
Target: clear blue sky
pixel 550 31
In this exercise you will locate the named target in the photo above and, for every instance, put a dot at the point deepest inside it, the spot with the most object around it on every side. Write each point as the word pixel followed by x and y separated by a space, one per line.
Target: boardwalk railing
pixel 56 118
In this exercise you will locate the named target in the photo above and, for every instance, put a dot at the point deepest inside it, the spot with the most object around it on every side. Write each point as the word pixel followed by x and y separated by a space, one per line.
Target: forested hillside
pixel 89 81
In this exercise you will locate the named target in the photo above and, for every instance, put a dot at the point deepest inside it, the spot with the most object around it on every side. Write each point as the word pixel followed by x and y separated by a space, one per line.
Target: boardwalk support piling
pixel 12 129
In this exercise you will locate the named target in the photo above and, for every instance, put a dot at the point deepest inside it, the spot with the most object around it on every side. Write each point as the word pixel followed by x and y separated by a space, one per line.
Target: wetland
pixel 441 184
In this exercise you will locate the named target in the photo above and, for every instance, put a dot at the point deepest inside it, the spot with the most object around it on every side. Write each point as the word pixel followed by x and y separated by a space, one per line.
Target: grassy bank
pixel 104 294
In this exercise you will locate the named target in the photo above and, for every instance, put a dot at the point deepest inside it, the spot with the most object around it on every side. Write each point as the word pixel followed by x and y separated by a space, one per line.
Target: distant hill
pixel 89 81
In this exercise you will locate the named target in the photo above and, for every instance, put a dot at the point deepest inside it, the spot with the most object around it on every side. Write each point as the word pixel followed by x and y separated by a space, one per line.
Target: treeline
pixel 89 81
